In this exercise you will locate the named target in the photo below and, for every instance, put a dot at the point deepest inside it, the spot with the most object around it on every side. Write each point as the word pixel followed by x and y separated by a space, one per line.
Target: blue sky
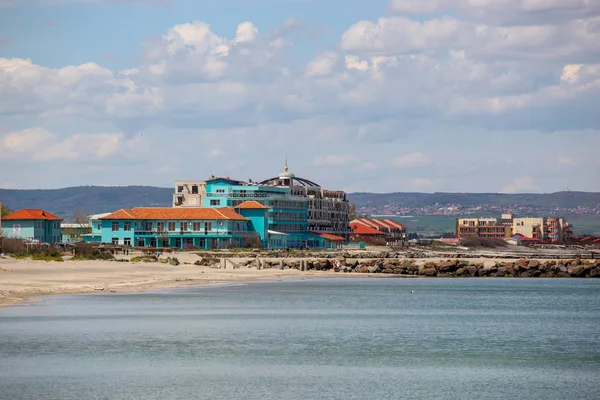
pixel 382 96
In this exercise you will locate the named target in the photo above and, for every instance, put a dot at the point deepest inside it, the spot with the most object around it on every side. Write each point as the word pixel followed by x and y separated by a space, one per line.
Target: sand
pixel 25 280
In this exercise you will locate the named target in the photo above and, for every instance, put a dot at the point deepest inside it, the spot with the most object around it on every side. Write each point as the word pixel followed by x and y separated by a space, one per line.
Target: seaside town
pixel 282 212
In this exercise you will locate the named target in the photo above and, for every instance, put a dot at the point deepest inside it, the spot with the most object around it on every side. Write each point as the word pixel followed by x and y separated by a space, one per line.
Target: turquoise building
pixel 286 217
pixel 95 236
pixel 32 224
pixel 198 227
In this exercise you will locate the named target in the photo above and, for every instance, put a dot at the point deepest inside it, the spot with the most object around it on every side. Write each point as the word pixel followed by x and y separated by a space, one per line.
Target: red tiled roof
pixel 328 236
pixel 251 205
pixel 28 213
pixel 360 229
pixel 528 239
pixel 166 213
pixel 379 223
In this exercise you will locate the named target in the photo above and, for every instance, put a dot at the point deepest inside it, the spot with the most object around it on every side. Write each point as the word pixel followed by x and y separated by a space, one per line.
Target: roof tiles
pixel 29 214
pixel 195 213
pixel 251 205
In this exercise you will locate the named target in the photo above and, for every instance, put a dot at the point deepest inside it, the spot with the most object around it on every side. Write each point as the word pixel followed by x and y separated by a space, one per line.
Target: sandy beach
pixel 24 280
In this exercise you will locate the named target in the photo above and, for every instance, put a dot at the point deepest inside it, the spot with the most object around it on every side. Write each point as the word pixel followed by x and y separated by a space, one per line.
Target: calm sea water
pixel 311 339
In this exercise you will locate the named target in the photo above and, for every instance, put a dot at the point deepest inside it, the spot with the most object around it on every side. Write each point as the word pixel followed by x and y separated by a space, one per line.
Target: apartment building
pixel 542 229
pixel 551 229
pixel 494 228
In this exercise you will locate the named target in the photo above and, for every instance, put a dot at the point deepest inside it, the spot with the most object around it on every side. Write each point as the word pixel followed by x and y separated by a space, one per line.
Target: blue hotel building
pixel 282 212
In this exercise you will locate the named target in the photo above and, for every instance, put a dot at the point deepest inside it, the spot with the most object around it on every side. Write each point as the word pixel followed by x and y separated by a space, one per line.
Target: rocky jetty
pixel 523 268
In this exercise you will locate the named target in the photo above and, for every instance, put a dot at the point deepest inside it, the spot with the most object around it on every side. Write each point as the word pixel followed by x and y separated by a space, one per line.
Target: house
pixel 194 227
pixel 394 233
pixel 32 224
pixel 364 233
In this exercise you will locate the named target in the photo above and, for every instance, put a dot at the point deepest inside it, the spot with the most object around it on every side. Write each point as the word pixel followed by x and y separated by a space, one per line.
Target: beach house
pixel 194 227
pixel 32 224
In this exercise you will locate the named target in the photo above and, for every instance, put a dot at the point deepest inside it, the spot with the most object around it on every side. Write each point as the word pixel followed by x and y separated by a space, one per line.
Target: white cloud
pixel 335 160
pixel 41 145
pixel 379 91
pixel 412 160
pixel 521 184
pixel 324 64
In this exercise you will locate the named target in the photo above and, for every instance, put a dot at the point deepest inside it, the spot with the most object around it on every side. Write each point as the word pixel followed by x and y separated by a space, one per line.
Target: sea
pixel 375 338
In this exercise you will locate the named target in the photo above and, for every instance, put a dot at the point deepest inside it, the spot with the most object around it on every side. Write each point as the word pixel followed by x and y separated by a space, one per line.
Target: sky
pixel 363 96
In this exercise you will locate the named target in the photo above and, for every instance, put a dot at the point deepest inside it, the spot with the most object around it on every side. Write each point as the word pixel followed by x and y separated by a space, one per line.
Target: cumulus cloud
pixel 40 145
pixel 387 82
pixel 412 160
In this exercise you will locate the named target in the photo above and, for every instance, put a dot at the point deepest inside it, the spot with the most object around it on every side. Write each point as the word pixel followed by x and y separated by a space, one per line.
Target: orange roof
pixel 28 213
pixel 166 213
pixel 251 205
pixel 328 236
pixel 360 229
pixel 379 223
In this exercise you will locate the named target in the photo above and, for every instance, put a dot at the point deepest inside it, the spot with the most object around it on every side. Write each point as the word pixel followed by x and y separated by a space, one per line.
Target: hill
pixel 98 199
pixel 549 200
pixel 90 199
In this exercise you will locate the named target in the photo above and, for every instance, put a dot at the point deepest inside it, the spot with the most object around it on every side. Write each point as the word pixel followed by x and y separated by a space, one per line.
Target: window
pixel 194 189
pixel 160 226
pixel 183 226
pixel 127 226
pixel 215 202
pixel 99 226
pixel 220 190
pixel 207 226
pixel 127 242
pixel 115 241
pixel 179 189
pixel 147 226
pixel 115 226
pixel 171 226
pixel 196 226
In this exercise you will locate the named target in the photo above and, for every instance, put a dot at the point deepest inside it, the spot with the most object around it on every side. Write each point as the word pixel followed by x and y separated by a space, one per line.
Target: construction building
pixel 300 212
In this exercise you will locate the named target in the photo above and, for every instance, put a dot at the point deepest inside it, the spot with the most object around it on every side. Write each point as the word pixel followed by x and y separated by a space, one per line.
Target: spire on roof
pixel 286 166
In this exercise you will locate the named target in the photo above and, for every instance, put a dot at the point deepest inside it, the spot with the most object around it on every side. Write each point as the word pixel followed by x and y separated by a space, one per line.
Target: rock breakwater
pixel 523 268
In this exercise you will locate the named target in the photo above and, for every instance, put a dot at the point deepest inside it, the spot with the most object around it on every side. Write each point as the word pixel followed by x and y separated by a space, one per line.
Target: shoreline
pixel 25 280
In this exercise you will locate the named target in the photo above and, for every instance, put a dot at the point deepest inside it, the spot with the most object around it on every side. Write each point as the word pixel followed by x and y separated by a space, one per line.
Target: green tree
pixel 5 210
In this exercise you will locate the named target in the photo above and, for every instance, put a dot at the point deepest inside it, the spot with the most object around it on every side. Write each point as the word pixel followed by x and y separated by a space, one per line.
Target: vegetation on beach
pixel 85 252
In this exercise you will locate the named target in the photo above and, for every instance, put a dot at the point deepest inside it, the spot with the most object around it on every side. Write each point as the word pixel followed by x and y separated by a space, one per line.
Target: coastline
pixel 26 280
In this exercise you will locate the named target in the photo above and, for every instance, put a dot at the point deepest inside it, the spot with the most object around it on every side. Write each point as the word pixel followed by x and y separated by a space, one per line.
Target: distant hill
pixel 550 200
pixel 90 199
pixel 98 199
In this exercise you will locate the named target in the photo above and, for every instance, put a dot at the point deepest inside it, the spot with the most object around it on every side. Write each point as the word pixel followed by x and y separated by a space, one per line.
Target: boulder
pixel 428 272
pixel 373 269
pixel 577 271
pixel 364 269
pixel 595 272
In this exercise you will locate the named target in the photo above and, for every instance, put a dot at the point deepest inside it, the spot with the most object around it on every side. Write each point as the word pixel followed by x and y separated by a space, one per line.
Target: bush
pixel 86 251
pixel 12 246
pixel 143 259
